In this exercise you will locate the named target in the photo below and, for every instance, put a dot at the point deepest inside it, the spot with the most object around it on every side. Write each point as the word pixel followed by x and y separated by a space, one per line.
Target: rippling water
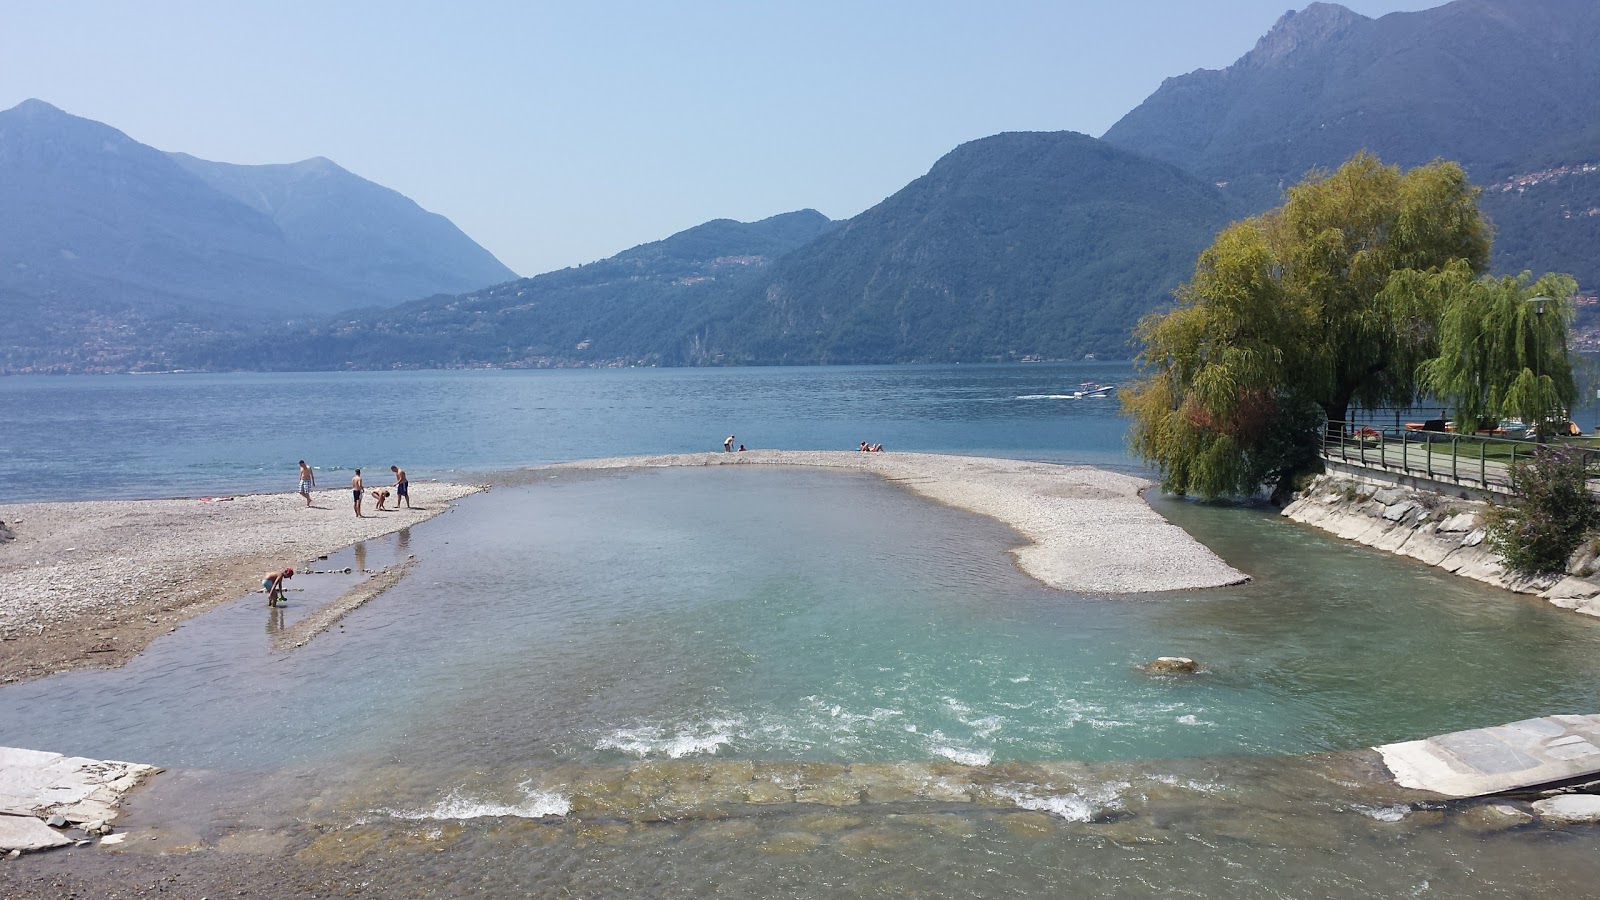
pixel 784 681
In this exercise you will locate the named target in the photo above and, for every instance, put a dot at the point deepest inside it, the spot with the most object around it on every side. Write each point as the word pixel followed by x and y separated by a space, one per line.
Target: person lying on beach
pixel 272 582
pixel 382 496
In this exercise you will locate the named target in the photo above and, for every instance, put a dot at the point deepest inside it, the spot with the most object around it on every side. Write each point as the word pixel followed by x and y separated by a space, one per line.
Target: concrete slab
pixel 27 833
pixel 40 784
pixel 1490 760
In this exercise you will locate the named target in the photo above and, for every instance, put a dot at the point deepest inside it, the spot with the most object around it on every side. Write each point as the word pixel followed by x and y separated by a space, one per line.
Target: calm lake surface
pixel 629 642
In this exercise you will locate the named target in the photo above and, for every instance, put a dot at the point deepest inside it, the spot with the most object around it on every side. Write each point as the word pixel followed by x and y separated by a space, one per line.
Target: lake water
pixel 631 648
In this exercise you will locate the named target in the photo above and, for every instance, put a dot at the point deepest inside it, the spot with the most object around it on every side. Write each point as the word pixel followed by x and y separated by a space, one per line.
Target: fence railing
pixel 1431 450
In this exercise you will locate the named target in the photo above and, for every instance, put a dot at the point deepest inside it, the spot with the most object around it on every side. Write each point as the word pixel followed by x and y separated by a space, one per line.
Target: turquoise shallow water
pixel 820 616
pixel 637 636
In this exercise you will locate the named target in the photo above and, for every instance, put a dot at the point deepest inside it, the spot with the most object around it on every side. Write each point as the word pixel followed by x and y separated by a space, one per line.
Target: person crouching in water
pixel 273 583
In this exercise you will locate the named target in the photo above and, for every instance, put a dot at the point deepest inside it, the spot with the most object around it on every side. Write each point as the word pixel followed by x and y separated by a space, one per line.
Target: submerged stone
pixel 1570 809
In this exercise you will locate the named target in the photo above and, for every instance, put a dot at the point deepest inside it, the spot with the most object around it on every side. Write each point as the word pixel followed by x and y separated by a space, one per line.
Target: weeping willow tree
pixel 1293 315
pixel 1503 347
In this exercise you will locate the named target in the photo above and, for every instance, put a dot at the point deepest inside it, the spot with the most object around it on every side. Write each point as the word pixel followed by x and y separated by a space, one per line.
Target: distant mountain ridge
pixel 1025 244
pixel 1014 246
pixel 1506 87
pixel 108 245
pixel 617 311
pixel 378 244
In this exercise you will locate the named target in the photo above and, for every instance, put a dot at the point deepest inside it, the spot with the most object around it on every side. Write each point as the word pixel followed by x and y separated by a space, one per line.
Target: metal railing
pixel 1483 461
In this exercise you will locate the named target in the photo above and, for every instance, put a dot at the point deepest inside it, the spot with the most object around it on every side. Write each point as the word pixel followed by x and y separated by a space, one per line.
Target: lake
pixel 624 647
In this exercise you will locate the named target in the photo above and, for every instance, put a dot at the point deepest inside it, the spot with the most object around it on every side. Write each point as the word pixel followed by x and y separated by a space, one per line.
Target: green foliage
pixel 1502 347
pixel 1549 515
pixel 1292 315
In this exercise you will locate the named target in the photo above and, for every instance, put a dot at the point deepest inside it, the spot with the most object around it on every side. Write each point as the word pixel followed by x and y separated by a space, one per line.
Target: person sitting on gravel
pixel 273 583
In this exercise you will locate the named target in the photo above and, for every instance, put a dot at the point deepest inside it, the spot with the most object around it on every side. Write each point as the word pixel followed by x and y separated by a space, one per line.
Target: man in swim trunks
pixel 727 445
pixel 402 487
pixel 355 492
pixel 308 480
pixel 382 496
pixel 272 583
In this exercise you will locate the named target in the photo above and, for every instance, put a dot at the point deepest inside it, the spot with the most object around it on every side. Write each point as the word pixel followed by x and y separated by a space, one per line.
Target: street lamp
pixel 1538 312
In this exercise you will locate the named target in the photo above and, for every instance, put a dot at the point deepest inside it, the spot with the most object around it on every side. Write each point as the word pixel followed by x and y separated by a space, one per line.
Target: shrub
pixel 1549 513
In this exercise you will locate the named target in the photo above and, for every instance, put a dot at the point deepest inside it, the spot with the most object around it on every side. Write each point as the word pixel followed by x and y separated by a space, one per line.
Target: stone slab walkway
pixel 1506 757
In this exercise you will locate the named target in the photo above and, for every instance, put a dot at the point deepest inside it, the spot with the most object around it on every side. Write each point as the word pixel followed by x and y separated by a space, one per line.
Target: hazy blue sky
pixel 556 134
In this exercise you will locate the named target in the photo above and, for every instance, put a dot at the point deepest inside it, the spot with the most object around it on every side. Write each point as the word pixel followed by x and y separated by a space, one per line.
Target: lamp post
pixel 1538 313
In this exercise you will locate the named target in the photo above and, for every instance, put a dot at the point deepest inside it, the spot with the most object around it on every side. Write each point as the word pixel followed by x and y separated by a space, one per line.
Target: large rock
pixel 1570 809
pixel 1172 665
pixel 26 833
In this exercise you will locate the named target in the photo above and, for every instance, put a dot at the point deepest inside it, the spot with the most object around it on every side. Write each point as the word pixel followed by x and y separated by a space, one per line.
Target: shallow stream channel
pixel 759 682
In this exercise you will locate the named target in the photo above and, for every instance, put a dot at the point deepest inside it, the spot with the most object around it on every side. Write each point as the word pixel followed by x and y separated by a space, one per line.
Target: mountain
pixel 1509 88
pixel 1019 244
pixel 108 245
pixel 625 309
pixel 377 244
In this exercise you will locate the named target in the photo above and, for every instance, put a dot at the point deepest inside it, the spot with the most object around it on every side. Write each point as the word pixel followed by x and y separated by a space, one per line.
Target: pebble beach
pixel 92 583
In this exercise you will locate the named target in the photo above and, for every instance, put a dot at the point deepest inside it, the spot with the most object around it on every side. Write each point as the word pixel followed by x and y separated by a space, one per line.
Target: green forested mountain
pixel 1506 87
pixel 1016 245
pixel 1022 244
pixel 621 310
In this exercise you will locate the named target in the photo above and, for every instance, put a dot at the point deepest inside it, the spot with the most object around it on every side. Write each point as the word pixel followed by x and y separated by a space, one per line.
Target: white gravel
pixel 106 557
pixel 1090 530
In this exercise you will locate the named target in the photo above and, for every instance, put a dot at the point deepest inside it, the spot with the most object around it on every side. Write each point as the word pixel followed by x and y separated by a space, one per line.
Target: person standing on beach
pixel 308 480
pixel 355 492
pixel 727 445
pixel 402 487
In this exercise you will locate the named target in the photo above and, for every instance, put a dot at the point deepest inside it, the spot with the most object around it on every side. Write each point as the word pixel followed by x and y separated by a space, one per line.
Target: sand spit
pixel 1090 529
pixel 92 583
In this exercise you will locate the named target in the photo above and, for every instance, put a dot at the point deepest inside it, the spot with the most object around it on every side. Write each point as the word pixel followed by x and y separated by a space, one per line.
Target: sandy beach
pixel 93 583
pixel 1089 529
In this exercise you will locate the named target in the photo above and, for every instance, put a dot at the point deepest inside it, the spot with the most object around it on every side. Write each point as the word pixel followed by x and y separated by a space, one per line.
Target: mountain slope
pixel 109 247
pixel 1486 82
pixel 1507 87
pixel 1048 244
pixel 625 309
pixel 377 244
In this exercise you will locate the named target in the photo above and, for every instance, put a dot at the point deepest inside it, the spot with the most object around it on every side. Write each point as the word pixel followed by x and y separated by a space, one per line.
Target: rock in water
pixel 1570 809
pixel 1172 665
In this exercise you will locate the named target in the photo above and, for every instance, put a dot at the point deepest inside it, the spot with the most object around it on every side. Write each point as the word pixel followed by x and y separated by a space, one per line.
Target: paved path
pixel 1484 761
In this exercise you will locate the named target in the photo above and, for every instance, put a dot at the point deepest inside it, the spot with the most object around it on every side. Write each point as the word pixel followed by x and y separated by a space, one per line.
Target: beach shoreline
pixel 89 584
pixel 1089 530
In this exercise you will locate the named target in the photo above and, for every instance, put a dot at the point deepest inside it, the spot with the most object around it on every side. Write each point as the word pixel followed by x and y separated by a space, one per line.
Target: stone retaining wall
pixel 1440 531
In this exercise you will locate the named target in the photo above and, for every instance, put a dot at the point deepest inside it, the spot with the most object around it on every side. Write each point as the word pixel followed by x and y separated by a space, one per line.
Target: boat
pixel 1089 390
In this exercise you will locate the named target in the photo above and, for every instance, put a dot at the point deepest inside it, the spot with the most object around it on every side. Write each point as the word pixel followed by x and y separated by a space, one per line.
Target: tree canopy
pixel 1291 316
pixel 1503 347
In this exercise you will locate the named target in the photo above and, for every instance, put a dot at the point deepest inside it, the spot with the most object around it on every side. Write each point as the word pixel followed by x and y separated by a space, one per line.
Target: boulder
pixel 1570 809
pixel 1172 665
pixel 5 534
pixel 25 833
pixel 1491 817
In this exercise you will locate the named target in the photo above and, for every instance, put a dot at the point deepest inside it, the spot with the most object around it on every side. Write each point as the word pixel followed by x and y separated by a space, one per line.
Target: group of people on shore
pixel 272 582
pixel 401 489
pixel 870 448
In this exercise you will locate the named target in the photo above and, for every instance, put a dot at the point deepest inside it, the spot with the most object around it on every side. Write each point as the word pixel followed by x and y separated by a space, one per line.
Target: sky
pixel 560 133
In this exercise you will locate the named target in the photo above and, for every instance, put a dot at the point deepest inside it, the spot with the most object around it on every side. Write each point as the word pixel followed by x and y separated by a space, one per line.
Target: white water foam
pixel 534 804
pixel 1384 813
pixel 697 739
pixel 965 757
pixel 1074 806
